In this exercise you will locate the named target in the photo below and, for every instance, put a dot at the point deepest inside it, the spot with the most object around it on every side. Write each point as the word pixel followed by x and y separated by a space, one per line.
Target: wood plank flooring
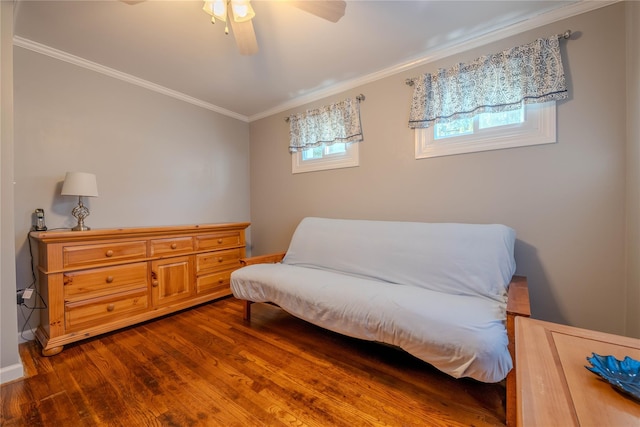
pixel 208 367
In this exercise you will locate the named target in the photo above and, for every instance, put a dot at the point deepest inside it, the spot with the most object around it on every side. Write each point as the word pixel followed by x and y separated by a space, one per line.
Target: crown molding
pixel 443 51
pixel 470 42
pixel 81 62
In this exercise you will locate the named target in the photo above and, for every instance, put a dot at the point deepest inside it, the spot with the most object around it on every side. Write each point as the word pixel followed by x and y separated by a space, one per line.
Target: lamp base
pixel 80 212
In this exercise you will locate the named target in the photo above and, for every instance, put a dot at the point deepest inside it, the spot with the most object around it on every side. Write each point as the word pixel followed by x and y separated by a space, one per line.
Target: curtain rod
pixel 359 98
pixel 566 35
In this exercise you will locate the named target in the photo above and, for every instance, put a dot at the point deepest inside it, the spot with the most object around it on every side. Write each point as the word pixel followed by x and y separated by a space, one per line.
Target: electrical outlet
pixel 23 295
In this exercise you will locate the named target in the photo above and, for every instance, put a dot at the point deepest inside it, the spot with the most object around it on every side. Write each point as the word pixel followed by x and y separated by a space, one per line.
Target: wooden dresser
pixel 98 281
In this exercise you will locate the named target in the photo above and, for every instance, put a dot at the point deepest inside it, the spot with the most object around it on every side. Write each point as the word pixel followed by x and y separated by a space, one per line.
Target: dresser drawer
pixel 79 285
pixel 217 260
pixel 215 283
pixel 176 245
pixel 74 256
pixel 98 311
pixel 219 240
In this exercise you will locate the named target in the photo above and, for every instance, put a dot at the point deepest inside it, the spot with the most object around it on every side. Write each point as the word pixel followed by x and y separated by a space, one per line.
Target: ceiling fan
pixel 239 14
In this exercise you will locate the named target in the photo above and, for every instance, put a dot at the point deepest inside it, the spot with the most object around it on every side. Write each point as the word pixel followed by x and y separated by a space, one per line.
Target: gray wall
pixel 566 200
pixel 10 364
pixel 633 168
pixel 158 160
pixel 161 162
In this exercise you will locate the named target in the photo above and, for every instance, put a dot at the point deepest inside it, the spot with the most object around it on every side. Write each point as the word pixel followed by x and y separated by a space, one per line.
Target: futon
pixel 437 290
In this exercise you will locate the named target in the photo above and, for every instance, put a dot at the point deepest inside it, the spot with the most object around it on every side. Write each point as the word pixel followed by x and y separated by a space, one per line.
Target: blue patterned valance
pixel 339 122
pixel 527 74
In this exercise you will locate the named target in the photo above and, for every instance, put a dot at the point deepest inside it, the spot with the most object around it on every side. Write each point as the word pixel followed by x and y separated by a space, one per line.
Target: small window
pixel 532 124
pixel 323 157
pixel 324 151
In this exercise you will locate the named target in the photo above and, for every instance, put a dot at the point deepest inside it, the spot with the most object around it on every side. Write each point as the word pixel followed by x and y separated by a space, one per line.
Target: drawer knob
pixel 220 259
pixel 154 283
pixel 109 253
pixel 221 281
pixel 111 307
pixel 219 240
pixel 174 245
pixel 109 279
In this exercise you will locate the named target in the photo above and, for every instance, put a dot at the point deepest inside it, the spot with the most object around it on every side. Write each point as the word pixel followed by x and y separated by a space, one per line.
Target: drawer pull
pixel 109 253
pixel 220 259
pixel 154 283
pixel 111 307
pixel 221 281
pixel 109 279
pixel 174 245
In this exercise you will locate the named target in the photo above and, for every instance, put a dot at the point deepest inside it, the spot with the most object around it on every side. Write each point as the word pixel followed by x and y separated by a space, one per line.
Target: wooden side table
pixel 553 386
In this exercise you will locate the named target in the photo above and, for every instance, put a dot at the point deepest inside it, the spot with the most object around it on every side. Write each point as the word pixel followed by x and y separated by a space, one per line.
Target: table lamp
pixel 80 184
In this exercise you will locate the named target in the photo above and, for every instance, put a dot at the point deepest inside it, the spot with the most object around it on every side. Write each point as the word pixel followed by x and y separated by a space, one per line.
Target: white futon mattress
pixel 461 335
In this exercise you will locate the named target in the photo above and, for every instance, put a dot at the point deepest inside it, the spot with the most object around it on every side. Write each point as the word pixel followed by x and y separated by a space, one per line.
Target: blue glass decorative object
pixel 622 374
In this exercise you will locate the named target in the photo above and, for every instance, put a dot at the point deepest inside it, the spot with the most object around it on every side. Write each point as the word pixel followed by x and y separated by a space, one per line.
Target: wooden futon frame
pixel 517 305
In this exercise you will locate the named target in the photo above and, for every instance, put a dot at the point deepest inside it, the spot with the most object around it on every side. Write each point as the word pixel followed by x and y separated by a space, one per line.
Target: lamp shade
pixel 80 184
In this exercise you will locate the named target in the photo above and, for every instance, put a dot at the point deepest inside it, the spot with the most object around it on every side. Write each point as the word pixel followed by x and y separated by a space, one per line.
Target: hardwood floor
pixel 207 367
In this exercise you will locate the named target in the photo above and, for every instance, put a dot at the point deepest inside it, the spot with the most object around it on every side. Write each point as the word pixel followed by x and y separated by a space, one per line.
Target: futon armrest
pixel 517 305
pixel 518 297
pixel 263 259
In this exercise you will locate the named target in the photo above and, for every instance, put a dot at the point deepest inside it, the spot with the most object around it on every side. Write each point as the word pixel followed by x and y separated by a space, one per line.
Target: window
pixel 469 107
pixel 323 157
pixel 324 151
pixel 532 124
pixel 327 137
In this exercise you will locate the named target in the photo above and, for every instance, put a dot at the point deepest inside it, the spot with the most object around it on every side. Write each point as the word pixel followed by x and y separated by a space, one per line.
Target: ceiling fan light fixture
pixel 242 10
pixel 217 9
pixel 239 14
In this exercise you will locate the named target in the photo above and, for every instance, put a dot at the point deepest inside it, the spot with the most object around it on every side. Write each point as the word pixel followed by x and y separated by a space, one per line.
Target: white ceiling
pixel 173 44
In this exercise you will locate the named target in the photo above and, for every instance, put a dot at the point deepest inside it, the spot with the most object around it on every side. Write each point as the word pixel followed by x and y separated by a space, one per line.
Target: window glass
pixel 532 124
pixel 334 156
pixel 312 153
pixel 489 120
pixel 453 128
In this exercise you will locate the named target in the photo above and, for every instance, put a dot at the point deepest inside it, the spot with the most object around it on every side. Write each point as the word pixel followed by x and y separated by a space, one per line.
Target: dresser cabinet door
pixel 171 280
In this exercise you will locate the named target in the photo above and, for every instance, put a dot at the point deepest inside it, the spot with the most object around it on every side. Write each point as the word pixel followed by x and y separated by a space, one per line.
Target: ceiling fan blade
pixel 245 37
pixel 331 10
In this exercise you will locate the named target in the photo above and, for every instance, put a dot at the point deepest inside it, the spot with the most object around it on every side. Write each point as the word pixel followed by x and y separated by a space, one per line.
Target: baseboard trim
pixel 12 372
pixel 16 371
pixel 26 335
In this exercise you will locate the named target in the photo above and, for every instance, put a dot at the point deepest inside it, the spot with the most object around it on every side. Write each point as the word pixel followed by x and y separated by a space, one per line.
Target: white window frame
pixel 539 127
pixel 349 158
